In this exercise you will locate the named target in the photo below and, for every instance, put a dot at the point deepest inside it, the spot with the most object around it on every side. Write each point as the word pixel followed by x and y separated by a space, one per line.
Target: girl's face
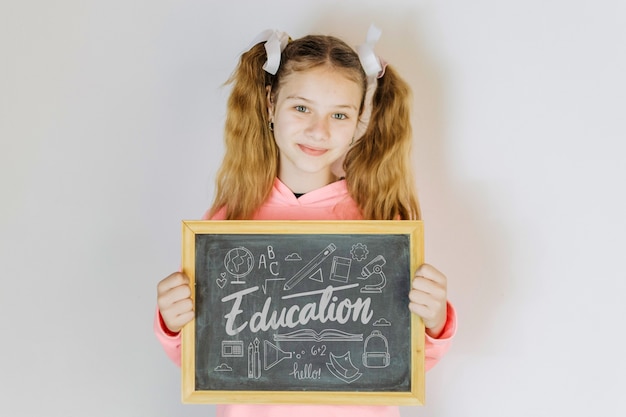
pixel 315 115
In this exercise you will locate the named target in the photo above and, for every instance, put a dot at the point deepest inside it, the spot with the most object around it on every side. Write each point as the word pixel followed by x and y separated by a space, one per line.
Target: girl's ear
pixel 270 103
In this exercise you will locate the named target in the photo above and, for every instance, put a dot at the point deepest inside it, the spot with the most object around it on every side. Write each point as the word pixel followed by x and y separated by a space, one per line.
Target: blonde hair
pixel 377 167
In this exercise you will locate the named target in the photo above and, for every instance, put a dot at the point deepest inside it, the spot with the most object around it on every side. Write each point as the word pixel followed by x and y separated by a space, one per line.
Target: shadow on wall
pixel 462 238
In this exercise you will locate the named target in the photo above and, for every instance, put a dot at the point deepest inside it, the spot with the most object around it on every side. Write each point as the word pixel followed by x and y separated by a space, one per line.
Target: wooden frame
pixel 298 378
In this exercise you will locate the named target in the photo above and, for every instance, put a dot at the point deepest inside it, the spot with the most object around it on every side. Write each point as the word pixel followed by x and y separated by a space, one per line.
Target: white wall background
pixel 110 133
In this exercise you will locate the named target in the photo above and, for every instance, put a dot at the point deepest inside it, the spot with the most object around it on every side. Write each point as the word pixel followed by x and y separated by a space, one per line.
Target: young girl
pixel 311 135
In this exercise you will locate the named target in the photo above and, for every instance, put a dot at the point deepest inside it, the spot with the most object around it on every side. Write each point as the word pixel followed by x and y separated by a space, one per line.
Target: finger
pixel 171 281
pixel 178 322
pixel 180 307
pixel 165 300
pixel 426 285
pixel 178 314
pixel 430 272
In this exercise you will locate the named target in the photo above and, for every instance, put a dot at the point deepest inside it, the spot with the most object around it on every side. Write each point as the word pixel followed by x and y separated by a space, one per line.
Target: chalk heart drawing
pixel 221 282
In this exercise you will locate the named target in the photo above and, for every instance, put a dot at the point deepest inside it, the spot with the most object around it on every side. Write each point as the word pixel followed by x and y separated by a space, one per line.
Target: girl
pixel 316 137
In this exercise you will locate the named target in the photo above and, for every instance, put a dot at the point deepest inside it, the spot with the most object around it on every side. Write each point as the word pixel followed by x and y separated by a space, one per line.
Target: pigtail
pixel 249 167
pixel 378 170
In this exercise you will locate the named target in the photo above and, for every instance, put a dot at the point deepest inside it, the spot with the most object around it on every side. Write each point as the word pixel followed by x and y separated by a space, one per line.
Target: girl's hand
pixel 428 298
pixel 174 301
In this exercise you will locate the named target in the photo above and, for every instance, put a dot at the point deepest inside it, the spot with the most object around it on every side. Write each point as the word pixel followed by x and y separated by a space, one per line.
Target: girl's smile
pixel 312 151
pixel 315 114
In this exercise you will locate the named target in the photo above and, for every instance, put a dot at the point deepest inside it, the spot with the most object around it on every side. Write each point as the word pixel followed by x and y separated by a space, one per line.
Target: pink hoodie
pixel 331 202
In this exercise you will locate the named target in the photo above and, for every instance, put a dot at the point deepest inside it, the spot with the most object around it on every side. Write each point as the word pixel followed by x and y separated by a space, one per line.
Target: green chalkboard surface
pixel 302 312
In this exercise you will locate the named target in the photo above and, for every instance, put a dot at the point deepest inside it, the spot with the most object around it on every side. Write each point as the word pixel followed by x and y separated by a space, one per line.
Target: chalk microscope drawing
pixel 239 262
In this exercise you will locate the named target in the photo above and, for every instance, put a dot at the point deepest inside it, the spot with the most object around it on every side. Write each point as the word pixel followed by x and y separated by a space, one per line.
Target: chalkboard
pixel 302 312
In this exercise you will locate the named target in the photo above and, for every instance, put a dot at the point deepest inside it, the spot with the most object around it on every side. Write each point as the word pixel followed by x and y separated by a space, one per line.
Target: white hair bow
pixel 275 42
pixel 369 60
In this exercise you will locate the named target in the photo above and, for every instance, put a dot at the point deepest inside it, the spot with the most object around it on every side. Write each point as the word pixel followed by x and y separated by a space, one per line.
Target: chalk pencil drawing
pixel 309 267
pixel 254 360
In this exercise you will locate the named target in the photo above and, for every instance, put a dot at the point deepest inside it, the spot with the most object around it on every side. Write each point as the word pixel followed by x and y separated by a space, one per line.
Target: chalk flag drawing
pixel 374 267
pixel 343 368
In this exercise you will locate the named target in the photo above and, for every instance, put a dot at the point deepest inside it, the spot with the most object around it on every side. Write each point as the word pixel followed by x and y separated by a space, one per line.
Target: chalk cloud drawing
pixel 239 262
pixel 293 257
pixel 223 368
pixel 343 368
pixel 374 267
pixel 376 351
pixel 382 322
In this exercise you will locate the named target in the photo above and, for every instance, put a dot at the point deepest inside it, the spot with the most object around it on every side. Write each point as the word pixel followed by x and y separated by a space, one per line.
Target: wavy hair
pixel 377 167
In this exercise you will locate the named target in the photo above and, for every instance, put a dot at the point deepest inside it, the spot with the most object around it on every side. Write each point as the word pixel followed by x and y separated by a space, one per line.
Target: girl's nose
pixel 318 128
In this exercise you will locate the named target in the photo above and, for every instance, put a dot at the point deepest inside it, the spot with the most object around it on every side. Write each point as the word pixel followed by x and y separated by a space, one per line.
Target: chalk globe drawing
pixel 239 262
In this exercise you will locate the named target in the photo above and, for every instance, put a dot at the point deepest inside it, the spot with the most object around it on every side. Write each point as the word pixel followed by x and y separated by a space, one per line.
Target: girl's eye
pixel 339 116
pixel 301 109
